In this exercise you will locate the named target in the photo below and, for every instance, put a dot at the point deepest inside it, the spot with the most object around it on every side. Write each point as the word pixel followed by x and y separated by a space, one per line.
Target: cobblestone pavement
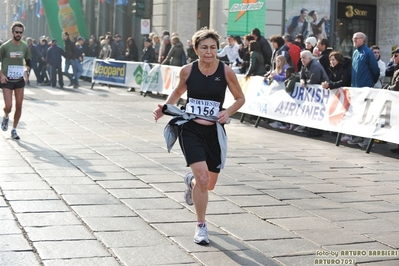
pixel 91 183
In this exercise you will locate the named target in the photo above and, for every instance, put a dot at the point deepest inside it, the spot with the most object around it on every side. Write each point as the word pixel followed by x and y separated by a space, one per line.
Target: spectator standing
pixel 294 51
pixel 43 47
pixel 264 46
pixel 325 50
pixel 132 52
pixel 312 72
pixel 175 55
pixel 35 57
pixel 162 46
pixel 381 66
pixel 231 51
pixel 71 53
pixel 156 44
pixel 246 56
pixel 300 41
pixel 365 71
pixel 279 49
pixel 92 50
pixel 191 54
pixel 148 52
pixel 256 63
pixel 54 61
pixel 121 47
pixel 166 47
pixel 105 51
pixel 339 72
pixel 78 61
pixel 115 53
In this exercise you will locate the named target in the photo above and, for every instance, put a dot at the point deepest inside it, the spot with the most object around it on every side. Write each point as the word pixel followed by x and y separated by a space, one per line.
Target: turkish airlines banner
pixel 365 112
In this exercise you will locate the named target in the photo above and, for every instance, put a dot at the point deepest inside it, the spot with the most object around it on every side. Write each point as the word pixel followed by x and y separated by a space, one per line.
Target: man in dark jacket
pixel 43 47
pixel 322 45
pixel 54 60
pixel 36 55
pixel 71 53
pixel 264 46
pixel 148 52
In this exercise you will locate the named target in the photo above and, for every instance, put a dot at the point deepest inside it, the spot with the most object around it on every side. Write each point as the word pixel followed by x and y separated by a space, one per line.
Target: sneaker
pixel 285 127
pixel 201 234
pixel 276 124
pixel 40 84
pixel 346 138
pixel 299 129
pixel 355 140
pixel 365 143
pixel 14 134
pixel 4 124
pixel 189 190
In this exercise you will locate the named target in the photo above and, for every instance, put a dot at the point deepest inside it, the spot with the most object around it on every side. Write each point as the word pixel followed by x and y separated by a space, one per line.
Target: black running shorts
pixel 14 85
pixel 200 143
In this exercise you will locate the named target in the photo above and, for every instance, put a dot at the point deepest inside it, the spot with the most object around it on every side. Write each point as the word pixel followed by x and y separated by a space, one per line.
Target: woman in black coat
pixel 132 53
pixel 340 71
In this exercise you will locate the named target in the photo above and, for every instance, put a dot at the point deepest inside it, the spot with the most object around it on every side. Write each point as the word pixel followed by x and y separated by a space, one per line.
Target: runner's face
pixel 17 33
pixel 207 50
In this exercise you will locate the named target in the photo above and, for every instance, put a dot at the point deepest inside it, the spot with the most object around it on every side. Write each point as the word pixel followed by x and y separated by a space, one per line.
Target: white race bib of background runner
pixel 15 72
pixel 202 107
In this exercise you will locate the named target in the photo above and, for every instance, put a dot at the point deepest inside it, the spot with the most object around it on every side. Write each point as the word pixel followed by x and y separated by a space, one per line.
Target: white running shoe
pixel 14 134
pixel 346 138
pixel 299 129
pixel 201 234
pixel 365 143
pixel 189 190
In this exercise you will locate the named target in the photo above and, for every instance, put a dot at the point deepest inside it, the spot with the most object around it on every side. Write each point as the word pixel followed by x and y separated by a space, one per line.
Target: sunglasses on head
pixel 18 32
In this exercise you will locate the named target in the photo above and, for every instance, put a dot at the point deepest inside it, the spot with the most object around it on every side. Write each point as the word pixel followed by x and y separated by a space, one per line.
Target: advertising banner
pixel 308 17
pixel 245 15
pixel 65 15
pixel 364 112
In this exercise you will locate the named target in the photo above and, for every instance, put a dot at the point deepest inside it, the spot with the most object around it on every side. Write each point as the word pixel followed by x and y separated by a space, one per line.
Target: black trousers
pixel 54 70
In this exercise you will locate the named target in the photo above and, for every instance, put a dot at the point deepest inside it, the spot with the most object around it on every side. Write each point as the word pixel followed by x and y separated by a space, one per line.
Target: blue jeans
pixel 70 62
pixel 78 72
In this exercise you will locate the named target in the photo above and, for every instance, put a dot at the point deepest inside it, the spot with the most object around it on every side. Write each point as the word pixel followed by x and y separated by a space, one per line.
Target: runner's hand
pixel 223 117
pixel 157 113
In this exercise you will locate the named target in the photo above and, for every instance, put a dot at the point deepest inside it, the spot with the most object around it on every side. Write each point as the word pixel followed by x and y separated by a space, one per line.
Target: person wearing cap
pixel 54 60
pixel 148 52
pixel 310 43
pixel 114 53
pixel 121 47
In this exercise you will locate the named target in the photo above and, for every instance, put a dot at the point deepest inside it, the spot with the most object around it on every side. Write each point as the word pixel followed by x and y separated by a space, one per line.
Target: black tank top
pixel 212 87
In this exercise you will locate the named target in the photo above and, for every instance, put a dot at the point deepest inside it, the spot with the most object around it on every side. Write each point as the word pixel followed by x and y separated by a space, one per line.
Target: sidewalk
pixel 91 183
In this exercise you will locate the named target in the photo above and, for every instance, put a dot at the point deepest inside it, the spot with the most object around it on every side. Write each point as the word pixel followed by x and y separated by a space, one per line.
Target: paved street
pixel 91 183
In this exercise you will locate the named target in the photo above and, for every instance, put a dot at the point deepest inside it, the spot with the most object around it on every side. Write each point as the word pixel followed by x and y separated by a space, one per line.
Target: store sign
pixel 354 11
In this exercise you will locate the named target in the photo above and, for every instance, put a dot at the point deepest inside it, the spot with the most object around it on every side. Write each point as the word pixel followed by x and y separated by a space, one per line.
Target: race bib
pixel 15 72
pixel 202 107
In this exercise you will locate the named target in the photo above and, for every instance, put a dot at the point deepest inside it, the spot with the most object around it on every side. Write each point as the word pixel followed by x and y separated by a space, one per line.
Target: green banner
pixel 245 15
pixel 65 15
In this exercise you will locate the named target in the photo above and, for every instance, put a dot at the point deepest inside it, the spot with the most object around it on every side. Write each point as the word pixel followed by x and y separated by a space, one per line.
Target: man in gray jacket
pixel 312 71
